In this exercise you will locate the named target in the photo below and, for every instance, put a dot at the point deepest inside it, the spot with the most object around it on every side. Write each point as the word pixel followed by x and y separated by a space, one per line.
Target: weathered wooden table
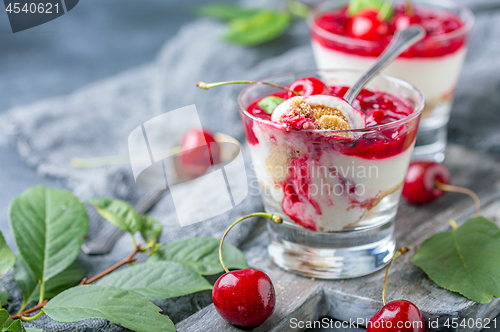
pixel 304 299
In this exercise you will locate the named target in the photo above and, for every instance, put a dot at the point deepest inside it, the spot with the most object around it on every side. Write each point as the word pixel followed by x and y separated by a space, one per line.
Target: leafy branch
pixel 29 311
pixel 49 226
pixel 129 259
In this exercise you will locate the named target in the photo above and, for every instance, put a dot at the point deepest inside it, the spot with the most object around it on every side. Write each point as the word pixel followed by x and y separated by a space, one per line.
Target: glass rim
pixel 469 23
pixel 416 113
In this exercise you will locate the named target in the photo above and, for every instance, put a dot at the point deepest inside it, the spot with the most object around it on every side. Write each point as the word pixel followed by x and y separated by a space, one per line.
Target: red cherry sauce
pixel 380 108
pixel 297 196
pixel 435 22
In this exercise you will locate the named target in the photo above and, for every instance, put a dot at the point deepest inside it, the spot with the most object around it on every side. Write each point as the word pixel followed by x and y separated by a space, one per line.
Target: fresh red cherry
pixel 366 25
pixel 420 183
pixel 244 298
pixel 397 316
pixel 199 151
pixel 308 86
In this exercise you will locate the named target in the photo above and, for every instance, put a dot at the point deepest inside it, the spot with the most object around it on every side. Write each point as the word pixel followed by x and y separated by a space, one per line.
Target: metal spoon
pixel 402 40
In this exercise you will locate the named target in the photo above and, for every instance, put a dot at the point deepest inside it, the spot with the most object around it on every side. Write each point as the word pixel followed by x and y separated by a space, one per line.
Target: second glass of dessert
pixel 333 171
pixel 347 34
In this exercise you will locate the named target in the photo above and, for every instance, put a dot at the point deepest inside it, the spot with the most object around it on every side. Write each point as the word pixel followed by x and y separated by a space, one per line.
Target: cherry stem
pixel 207 86
pixel 29 319
pixel 453 224
pixel 398 253
pixel 275 218
pixel 450 188
pixel 409 8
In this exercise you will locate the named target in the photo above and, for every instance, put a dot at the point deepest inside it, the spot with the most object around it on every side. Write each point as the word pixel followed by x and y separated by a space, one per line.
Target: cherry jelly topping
pixel 435 23
pixel 380 108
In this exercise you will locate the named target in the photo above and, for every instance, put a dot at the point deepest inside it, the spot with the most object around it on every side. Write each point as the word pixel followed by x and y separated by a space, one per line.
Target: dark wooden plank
pixel 304 299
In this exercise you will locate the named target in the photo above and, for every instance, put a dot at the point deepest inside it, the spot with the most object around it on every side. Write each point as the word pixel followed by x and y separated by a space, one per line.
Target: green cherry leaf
pixel 64 280
pixel 49 226
pixel 7 258
pixel 150 229
pixel 386 11
pixel 268 104
pixel 355 6
pixel 118 212
pixel 24 277
pixel 464 260
pixel 259 28
pixel 4 298
pixel 158 281
pixel 298 9
pixel 202 255
pixel 119 306
pixel 30 287
pixel 5 320
pixel 17 326
pixel 224 11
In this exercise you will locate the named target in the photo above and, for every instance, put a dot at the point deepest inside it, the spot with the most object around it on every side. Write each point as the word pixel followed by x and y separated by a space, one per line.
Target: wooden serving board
pixel 303 299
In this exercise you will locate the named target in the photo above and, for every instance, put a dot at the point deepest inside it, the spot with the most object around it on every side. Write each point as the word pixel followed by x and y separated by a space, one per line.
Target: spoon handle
pixel 402 40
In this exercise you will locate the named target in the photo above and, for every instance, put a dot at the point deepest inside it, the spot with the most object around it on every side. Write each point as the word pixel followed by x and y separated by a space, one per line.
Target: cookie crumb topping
pixel 329 118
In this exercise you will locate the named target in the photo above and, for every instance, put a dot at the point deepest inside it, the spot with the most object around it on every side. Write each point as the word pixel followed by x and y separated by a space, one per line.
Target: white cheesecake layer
pixel 435 77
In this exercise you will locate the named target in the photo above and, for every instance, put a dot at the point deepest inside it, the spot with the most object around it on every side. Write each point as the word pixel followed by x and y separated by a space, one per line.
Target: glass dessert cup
pixel 337 191
pixel 433 65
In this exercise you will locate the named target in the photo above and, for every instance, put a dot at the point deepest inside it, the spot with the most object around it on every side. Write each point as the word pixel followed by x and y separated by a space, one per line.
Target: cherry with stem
pixel 427 180
pixel 244 298
pixel 400 314
pixel 398 253
pixel 273 217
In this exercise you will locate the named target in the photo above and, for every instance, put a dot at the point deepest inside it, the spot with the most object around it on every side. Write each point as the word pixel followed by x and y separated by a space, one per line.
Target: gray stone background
pixel 100 38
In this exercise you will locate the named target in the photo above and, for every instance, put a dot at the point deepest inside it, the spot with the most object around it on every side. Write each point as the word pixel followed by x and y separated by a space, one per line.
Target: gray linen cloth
pixel 96 121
